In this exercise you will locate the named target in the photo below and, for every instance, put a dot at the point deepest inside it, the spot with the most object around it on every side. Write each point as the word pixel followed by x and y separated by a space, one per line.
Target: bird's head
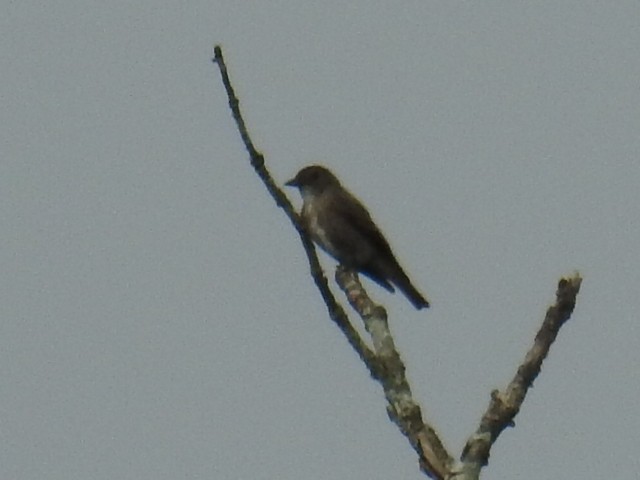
pixel 313 180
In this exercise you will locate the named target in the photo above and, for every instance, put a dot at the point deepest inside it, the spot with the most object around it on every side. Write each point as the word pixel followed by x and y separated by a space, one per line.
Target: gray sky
pixel 158 320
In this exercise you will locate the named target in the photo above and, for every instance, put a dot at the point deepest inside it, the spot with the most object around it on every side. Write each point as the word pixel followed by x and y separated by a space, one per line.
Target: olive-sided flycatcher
pixel 342 226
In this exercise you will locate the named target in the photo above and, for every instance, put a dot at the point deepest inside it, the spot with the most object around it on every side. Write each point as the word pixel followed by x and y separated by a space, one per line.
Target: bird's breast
pixel 317 229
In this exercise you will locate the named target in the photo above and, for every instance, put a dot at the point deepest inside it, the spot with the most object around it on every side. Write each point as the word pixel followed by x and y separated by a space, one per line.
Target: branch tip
pixel 217 54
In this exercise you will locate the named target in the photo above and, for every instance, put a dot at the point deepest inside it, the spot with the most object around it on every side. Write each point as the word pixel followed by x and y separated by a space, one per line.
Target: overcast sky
pixel 157 316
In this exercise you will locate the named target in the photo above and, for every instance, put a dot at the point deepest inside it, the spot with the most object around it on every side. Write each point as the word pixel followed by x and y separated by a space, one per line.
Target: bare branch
pixel 336 312
pixel 402 409
pixel 505 405
pixel 386 366
pixel 384 362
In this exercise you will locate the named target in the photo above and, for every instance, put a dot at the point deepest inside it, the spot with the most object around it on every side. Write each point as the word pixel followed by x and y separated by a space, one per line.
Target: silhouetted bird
pixel 342 226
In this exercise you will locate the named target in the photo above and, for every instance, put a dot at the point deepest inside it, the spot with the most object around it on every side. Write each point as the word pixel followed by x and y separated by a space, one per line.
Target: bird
pixel 341 225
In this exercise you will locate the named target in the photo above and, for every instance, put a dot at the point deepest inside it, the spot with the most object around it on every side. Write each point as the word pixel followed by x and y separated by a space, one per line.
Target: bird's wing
pixel 356 214
pixel 355 220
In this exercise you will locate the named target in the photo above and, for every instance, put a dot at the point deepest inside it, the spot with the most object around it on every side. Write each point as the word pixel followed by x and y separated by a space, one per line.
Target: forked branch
pixel 383 360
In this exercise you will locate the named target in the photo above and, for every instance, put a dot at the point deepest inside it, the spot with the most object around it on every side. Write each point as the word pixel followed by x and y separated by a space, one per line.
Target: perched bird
pixel 342 226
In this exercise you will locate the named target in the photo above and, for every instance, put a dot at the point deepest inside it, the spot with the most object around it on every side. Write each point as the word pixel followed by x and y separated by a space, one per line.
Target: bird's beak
pixel 291 183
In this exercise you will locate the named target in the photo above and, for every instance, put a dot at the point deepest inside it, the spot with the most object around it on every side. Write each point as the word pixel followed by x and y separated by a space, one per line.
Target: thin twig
pixel 336 312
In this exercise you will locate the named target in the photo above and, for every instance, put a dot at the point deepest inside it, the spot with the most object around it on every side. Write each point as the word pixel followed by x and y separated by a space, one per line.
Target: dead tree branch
pixel 335 310
pixel 505 405
pixel 384 362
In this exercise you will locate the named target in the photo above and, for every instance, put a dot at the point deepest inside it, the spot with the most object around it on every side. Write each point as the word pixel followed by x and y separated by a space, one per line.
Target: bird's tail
pixel 415 297
pixel 389 272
